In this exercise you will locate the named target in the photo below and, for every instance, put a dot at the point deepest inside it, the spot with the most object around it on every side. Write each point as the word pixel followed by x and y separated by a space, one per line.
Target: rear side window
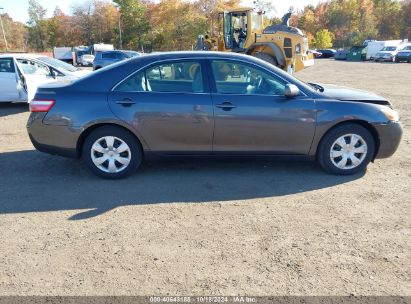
pixel 178 77
pixel 108 56
pixel 6 65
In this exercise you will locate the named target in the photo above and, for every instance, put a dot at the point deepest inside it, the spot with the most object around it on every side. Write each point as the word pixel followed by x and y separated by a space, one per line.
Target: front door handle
pixel 226 106
pixel 125 102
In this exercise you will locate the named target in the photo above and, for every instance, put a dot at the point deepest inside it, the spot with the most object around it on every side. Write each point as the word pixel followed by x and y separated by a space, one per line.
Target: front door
pixel 169 106
pixel 35 74
pixel 252 115
pixel 8 80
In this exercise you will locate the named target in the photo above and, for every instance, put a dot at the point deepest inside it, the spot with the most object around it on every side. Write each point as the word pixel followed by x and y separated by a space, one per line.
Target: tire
pixel 266 58
pixel 114 164
pixel 329 147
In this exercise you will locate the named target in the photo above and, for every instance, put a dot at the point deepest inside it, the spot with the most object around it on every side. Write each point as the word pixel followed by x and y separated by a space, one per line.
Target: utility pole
pixel 2 29
pixel 119 25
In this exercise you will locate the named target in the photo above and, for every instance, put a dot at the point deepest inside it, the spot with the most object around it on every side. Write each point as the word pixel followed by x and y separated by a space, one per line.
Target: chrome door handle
pixel 226 106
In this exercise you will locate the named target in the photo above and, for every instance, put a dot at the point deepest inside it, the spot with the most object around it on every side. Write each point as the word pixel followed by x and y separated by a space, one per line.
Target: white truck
pixel 64 54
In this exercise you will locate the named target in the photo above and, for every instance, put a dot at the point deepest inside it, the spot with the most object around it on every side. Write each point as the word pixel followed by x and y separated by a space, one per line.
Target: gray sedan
pixel 209 103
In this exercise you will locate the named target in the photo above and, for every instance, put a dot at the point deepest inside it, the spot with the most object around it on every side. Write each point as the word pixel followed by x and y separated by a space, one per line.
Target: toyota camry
pixel 209 104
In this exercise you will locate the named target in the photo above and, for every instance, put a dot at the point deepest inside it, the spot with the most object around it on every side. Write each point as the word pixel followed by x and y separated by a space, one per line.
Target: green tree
pixel 324 39
pixel 135 22
pixel 38 38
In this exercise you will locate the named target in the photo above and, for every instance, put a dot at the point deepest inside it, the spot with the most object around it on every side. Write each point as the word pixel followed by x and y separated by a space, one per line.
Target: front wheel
pixel 112 152
pixel 346 149
pixel 266 58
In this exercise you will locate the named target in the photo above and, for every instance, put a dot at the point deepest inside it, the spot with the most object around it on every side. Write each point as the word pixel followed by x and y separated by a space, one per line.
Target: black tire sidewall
pixel 323 155
pixel 267 58
pixel 126 136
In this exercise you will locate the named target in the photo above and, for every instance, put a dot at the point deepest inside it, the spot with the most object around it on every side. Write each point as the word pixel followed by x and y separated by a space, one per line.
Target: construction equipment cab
pixel 241 31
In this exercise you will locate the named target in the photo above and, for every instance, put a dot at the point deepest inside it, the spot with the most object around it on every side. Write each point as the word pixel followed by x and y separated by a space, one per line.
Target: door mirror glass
pixel 291 90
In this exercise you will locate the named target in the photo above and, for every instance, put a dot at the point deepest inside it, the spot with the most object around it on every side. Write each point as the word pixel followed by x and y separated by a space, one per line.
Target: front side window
pixel 30 67
pixel 181 77
pixel 238 78
pixel 6 65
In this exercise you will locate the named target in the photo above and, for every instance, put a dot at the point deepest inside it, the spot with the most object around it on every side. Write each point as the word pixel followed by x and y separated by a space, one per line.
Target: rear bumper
pixel 390 135
pixel 52 139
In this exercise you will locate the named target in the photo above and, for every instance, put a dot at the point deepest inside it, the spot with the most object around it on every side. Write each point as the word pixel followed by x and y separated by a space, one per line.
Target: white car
pixel 87 60
pixel 22 74
pixel 388 53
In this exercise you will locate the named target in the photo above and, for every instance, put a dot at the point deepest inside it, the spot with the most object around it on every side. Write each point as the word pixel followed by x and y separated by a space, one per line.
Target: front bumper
pixel 383 58
pixel 403 58
pixel 52 139
pixel 389 136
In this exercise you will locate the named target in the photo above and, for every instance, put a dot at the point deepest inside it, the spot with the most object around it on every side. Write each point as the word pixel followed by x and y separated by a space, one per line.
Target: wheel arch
pixel 87 131
pixel 369 127
pixel 272 47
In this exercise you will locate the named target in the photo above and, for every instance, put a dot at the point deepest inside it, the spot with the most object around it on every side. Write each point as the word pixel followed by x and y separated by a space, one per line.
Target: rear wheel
pixel 346 149
pixel 112 152
pixel 266 57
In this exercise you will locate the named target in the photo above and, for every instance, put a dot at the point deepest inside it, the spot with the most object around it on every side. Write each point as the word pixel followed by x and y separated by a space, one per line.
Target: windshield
pixel 389 48
pixel 408 48
pixel 58 64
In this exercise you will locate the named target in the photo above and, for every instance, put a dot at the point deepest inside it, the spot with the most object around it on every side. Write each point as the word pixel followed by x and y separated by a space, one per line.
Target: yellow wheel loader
pixel 241 31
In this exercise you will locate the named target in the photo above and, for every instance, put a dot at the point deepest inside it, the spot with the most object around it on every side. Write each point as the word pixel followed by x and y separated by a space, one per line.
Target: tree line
pixel 343 23
pixel 176 24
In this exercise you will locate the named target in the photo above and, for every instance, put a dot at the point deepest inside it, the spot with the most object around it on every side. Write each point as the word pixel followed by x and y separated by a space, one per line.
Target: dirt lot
pixel 209 227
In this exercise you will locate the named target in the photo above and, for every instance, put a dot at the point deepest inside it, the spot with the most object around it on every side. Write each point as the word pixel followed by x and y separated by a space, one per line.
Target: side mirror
pixel 291 90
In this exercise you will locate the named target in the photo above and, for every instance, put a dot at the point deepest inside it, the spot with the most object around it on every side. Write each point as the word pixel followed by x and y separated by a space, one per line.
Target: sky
pixel 17 9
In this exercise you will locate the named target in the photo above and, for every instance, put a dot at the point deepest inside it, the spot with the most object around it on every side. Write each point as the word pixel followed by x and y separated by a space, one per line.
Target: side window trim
pixel 201 61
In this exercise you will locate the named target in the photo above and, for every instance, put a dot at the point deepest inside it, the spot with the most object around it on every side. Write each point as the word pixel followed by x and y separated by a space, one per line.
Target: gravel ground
pixel 209 227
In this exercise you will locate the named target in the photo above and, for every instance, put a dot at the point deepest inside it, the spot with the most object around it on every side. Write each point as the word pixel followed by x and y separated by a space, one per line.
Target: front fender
pixel 331 113
pixel 276 50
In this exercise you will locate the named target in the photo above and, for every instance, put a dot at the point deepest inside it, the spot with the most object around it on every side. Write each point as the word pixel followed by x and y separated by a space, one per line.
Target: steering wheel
pixel 259 82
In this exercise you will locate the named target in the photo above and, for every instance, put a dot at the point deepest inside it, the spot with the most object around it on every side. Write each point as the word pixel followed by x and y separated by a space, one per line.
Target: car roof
pixel 196 54
pixel 22 55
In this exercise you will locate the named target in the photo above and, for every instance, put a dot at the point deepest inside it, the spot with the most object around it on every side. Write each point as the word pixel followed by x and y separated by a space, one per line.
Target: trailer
pixel 64 54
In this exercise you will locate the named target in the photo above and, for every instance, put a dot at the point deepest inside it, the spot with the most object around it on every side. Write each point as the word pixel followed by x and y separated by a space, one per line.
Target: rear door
pixel 8 80
pixel 252 115
pixel 169 105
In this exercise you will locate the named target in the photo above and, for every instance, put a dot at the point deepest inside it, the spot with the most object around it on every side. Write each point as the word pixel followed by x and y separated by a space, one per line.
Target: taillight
pixel 41 105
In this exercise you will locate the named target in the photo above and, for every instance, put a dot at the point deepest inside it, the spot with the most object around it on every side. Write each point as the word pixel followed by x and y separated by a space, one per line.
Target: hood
pixel 349 94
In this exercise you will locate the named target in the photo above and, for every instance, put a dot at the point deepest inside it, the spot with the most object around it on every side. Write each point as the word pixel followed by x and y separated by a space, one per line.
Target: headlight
pixel 391 114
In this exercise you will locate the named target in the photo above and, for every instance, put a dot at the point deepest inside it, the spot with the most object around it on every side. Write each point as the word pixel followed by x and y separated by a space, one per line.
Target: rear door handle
pixel 226 106
pixel 125 102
